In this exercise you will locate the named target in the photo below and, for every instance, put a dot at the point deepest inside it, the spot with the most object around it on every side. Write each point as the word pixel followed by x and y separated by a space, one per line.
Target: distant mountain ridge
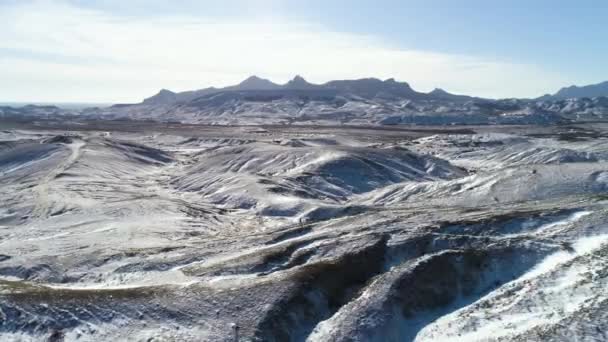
pixel 365 87
pixel 365 101
pixel 571 92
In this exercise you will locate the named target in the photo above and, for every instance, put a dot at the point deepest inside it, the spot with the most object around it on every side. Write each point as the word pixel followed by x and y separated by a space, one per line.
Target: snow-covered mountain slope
pixel 286 234
pixel 332 106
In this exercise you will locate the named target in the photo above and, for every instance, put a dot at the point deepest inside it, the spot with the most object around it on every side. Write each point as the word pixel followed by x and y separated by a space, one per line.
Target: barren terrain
pixel 168 232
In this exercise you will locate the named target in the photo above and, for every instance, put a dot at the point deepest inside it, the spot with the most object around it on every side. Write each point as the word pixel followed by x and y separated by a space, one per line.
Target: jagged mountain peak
pixel 439 91
pixel 298 82
pixel 298 78
pixel 395 82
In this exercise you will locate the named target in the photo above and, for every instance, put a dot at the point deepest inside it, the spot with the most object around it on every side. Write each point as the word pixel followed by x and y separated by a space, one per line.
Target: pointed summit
pixel 298 79
pixel 299 82
pixel 256 83
pixel 164 96
pixel 439 91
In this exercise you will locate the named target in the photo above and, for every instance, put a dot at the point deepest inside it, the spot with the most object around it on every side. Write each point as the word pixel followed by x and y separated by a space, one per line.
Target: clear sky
pixel 123 51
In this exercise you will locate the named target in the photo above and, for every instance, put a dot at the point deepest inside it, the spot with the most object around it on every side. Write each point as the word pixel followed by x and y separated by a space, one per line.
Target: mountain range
pixel 367 101
pixel 366 87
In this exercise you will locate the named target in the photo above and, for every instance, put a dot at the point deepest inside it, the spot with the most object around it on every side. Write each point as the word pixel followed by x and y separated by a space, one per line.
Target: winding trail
pixel 41 191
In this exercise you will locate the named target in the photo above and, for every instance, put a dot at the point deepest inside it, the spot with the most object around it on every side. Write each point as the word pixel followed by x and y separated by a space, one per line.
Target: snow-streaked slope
pixel 496 151
pixel 559 290
pixel 280 179
pixel 539 182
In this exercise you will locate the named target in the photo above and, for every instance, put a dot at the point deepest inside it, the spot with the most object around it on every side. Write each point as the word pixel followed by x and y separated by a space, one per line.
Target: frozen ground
pixel 184 233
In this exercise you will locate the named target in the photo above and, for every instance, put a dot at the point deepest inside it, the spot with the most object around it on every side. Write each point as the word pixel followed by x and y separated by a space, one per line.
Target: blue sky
pixel 121 51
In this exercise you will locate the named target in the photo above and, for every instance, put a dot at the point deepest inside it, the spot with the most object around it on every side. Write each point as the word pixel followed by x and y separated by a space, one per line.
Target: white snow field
pixel 201 233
